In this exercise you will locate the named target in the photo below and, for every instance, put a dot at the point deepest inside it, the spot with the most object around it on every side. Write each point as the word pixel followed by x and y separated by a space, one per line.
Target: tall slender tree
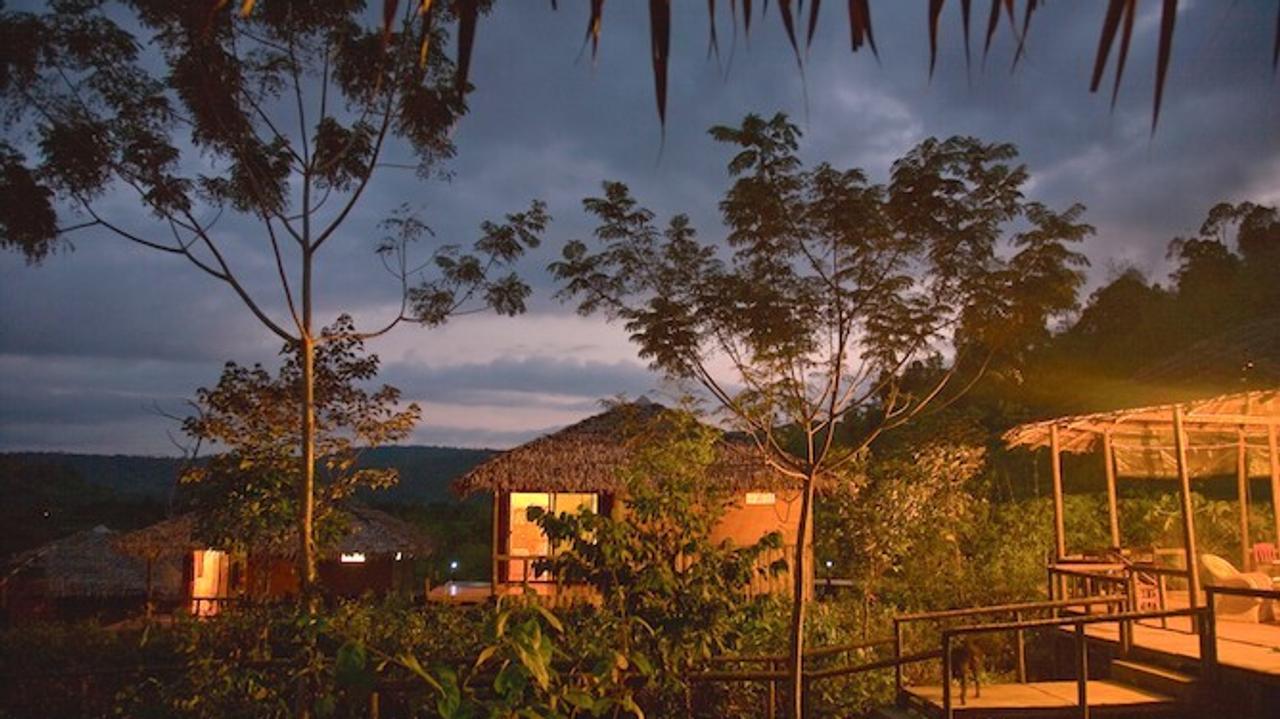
pixel 841 300
pixel 282 116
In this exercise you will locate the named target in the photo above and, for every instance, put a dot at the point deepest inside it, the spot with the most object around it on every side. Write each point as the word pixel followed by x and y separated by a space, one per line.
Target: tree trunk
pixel 306 488
pixel 799 590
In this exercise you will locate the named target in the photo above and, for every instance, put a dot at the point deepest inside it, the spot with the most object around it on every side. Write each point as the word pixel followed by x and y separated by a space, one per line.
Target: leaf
pixel 1110 23
pixel 1022 39
pixel 789 24
pixel 551 618
pixel 965 7
pixel 468 13
pixel 813 23
pixel 660 49
pixel 1167 19
pixel 746 17
pixel 713 44
pixel 935 9
pixel 1125 35
pixel 860 26
pixel 593 27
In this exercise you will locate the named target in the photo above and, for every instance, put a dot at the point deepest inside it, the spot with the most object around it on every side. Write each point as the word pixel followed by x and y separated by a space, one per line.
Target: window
pixel 761 499
pixel 351 558
pixel 525 538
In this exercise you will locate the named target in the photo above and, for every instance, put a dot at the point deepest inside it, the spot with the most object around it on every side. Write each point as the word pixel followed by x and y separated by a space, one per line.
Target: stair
pixel 892 712
pixel 1181 687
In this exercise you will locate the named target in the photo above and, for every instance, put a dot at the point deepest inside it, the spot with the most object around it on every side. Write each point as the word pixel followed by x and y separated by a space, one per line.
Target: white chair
pixel 1221 573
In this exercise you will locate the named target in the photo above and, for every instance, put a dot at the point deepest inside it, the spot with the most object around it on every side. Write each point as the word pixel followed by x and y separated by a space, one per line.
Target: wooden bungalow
pixel 578 467
pixel 373 555
pixel 79 576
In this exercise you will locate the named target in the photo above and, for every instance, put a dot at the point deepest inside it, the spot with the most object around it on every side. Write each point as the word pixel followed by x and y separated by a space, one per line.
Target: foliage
pixel 840 296
pixel 247 494
pixel 281 116
pixel 673 597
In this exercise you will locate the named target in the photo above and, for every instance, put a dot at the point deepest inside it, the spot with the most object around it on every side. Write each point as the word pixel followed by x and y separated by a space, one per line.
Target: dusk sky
pixel 93 340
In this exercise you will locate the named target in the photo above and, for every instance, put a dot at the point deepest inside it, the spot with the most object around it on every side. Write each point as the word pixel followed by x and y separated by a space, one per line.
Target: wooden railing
pixel 1106 577
pixel 1208 654
pixel 774 669
pixel 1016 610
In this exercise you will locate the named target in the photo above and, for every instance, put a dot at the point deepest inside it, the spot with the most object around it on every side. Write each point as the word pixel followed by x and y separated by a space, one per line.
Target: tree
pixel 672 596
pixel 840 296
pixel 281 116
pixel 245 493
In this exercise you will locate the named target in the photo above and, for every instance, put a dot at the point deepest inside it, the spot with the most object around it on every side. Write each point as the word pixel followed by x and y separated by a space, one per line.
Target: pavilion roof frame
pixel 1163 430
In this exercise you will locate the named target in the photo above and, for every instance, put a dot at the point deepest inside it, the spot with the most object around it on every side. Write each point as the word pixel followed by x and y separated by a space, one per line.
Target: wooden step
pixel 892 712
pixel 1045 699
pixel 1154 679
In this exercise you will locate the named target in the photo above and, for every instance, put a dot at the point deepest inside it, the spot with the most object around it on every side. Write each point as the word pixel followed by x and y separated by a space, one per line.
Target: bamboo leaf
pixel 992 21
pixel 1110 24
pixel 935 9
pixel 713 45
pixel 746 17
pixel 660 49
pixel 813 23
pixel 593 27
pixel 860 26
pixel 468 12
pixel 789 24
pixel 1167 18
pixel 1125 35
pixel 1026 28
pixel 965 7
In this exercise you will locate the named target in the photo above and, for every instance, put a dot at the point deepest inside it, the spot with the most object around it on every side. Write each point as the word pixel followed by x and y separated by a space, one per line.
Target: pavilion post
pixel 1275 477
pixel 1108 453
pixel 494 549
pixel 1059 528
pixel 1188 520
pixel 1242 488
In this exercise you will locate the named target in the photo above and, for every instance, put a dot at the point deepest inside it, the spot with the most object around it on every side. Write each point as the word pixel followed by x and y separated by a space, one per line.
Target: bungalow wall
pixel 748 518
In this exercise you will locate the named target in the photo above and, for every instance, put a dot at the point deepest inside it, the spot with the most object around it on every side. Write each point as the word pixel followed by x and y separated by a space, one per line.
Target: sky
pixel 101 344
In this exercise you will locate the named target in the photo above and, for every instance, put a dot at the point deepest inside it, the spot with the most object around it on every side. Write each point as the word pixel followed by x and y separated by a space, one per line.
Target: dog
pixel 966 658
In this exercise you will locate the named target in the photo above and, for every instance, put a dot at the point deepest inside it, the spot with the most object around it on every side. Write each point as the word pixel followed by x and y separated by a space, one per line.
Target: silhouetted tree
pixel 839 297
pixel 245 491
pixel 282 116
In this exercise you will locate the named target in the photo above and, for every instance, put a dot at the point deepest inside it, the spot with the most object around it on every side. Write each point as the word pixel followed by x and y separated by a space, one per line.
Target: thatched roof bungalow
pixel 580 466
pixel 370 556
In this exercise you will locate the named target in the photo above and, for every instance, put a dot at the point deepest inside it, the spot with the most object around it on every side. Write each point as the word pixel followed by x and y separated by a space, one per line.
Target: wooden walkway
pixel 1042 699
pixel 1248 646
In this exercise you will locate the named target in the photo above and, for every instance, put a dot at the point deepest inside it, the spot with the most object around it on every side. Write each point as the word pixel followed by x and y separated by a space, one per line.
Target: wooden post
pixel 1274 452
pixel 1059 528
pixel 1109 456
pixel 1022 648
pixel 1082 671
pixel 493 547
pixel 897 668
pixel 946 676
pixel 1242 488
pixel 1188 520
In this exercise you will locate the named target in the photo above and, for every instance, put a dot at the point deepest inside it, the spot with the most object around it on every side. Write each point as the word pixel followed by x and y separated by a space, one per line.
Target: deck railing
pixel 1016 610
pixel 1208 654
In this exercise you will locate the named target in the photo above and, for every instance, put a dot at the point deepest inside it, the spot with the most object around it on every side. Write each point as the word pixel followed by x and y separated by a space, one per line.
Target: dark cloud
pixel 92 338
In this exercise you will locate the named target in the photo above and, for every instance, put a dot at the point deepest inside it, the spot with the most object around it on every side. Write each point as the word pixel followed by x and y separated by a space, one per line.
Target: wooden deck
pixel 1042 699
pixel 1252 647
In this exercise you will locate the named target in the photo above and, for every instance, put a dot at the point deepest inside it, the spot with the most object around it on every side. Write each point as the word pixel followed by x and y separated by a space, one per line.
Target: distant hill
pixel 425 472
pixel 50 494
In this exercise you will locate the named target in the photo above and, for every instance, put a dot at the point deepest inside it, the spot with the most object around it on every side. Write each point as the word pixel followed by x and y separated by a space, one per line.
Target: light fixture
pixel 352 558
pixel 453 566
pixel 829 564
pixel 399 556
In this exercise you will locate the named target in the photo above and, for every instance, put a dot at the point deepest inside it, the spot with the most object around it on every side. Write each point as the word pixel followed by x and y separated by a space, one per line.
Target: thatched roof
pixel 1143 437
pixel 368 530
pixel 84 564
pixel 586 457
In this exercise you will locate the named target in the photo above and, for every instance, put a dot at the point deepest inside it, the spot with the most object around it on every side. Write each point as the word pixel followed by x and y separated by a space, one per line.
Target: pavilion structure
pixel 1227 435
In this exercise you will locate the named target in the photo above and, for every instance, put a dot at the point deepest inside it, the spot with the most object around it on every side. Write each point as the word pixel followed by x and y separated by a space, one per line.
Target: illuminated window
pixel 399 556
pixel 352 558
pixel 761 498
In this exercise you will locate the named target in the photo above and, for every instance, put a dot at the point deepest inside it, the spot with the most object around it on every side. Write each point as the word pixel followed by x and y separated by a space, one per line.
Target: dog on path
pixel 966 661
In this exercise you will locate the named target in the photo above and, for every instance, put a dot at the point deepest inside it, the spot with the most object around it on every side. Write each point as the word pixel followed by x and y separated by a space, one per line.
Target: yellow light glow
pixel 352 558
